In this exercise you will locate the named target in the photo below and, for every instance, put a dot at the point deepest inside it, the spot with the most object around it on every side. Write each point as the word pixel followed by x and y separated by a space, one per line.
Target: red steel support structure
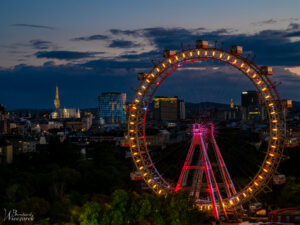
pixel 203 137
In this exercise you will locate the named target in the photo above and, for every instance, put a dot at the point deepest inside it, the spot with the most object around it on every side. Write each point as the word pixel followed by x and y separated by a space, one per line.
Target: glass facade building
pixel 112 107
pixel 252 106
pixel 168 109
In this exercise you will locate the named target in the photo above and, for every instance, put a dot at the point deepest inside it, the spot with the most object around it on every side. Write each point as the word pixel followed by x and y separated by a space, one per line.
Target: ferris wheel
pixel 203 135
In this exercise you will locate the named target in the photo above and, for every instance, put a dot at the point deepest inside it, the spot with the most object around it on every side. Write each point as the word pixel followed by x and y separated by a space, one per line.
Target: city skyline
pixel 104 51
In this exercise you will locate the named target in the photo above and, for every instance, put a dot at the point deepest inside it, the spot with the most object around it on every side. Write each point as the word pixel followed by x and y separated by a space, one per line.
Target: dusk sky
pixel 89 47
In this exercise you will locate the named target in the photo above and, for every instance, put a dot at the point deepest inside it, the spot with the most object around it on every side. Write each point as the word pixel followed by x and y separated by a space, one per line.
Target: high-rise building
pixel 112 107
pixel 3 120
pixel 168 109
pixel 249 98
pixel 252 106
pixel 181 109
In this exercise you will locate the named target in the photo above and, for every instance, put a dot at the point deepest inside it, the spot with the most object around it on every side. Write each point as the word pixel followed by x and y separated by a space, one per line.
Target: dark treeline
pixel 61 186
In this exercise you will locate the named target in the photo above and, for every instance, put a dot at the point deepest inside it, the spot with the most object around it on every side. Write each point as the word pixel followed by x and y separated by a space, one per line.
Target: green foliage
pixel 134 208
pixel 91 214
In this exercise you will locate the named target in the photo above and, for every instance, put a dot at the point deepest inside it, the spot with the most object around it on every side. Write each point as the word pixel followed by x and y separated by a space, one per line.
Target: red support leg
pixel 202 136
pixel 208 178
pixel 185 169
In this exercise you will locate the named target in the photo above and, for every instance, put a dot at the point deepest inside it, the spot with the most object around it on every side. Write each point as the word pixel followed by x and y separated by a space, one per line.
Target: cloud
pixel 66 55
pixel 292 19
pixel 40 44
pixel 294 34
pixel 107 65
pixel 264 22
pixel 272 47
pixel 91 38
pixel 143 32
pixel 33 26
pixel 171 38
pixel 124 32
pixel 123 44
pixel 273 21
pixel 295 70
pixel 145 56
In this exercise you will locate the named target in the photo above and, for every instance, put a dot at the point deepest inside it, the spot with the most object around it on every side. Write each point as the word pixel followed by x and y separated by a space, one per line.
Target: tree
pixel 62 179
pixel 60 211
pixel 38 206
pixel 290 194
pixel 91 214
pixel 118 209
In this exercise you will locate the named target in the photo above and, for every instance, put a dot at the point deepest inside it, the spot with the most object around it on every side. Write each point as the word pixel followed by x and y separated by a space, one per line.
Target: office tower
pixel 249 98
pixel 252 106
pixel 168 109
pixel 181 109
pixel 112 107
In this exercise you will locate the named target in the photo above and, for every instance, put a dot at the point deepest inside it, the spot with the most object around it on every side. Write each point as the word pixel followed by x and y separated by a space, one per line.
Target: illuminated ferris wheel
pixel 203 135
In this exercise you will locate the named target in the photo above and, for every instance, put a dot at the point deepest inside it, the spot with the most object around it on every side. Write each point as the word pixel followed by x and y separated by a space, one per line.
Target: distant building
pixel 249 98
pixel 159 139
pixel 87 122
pixel 66 114
pixel 6 153
pixel 168 109
pixel 3 120
pixel 63 113
pixel 252 107
pixel 25 146
pixel 112 107
pixel 181 109
pixel 47 125
pixel 75 125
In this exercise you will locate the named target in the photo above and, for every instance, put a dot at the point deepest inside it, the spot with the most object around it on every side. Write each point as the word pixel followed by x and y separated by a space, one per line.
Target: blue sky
pixel 87 47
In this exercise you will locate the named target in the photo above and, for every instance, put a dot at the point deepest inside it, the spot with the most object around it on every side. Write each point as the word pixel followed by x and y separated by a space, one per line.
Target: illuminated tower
pixel 204 173
pixel 231 104
pixel 56 100
pixel 78 113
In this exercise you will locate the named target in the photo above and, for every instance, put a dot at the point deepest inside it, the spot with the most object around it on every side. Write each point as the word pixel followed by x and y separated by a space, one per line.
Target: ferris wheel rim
pixel 262 83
